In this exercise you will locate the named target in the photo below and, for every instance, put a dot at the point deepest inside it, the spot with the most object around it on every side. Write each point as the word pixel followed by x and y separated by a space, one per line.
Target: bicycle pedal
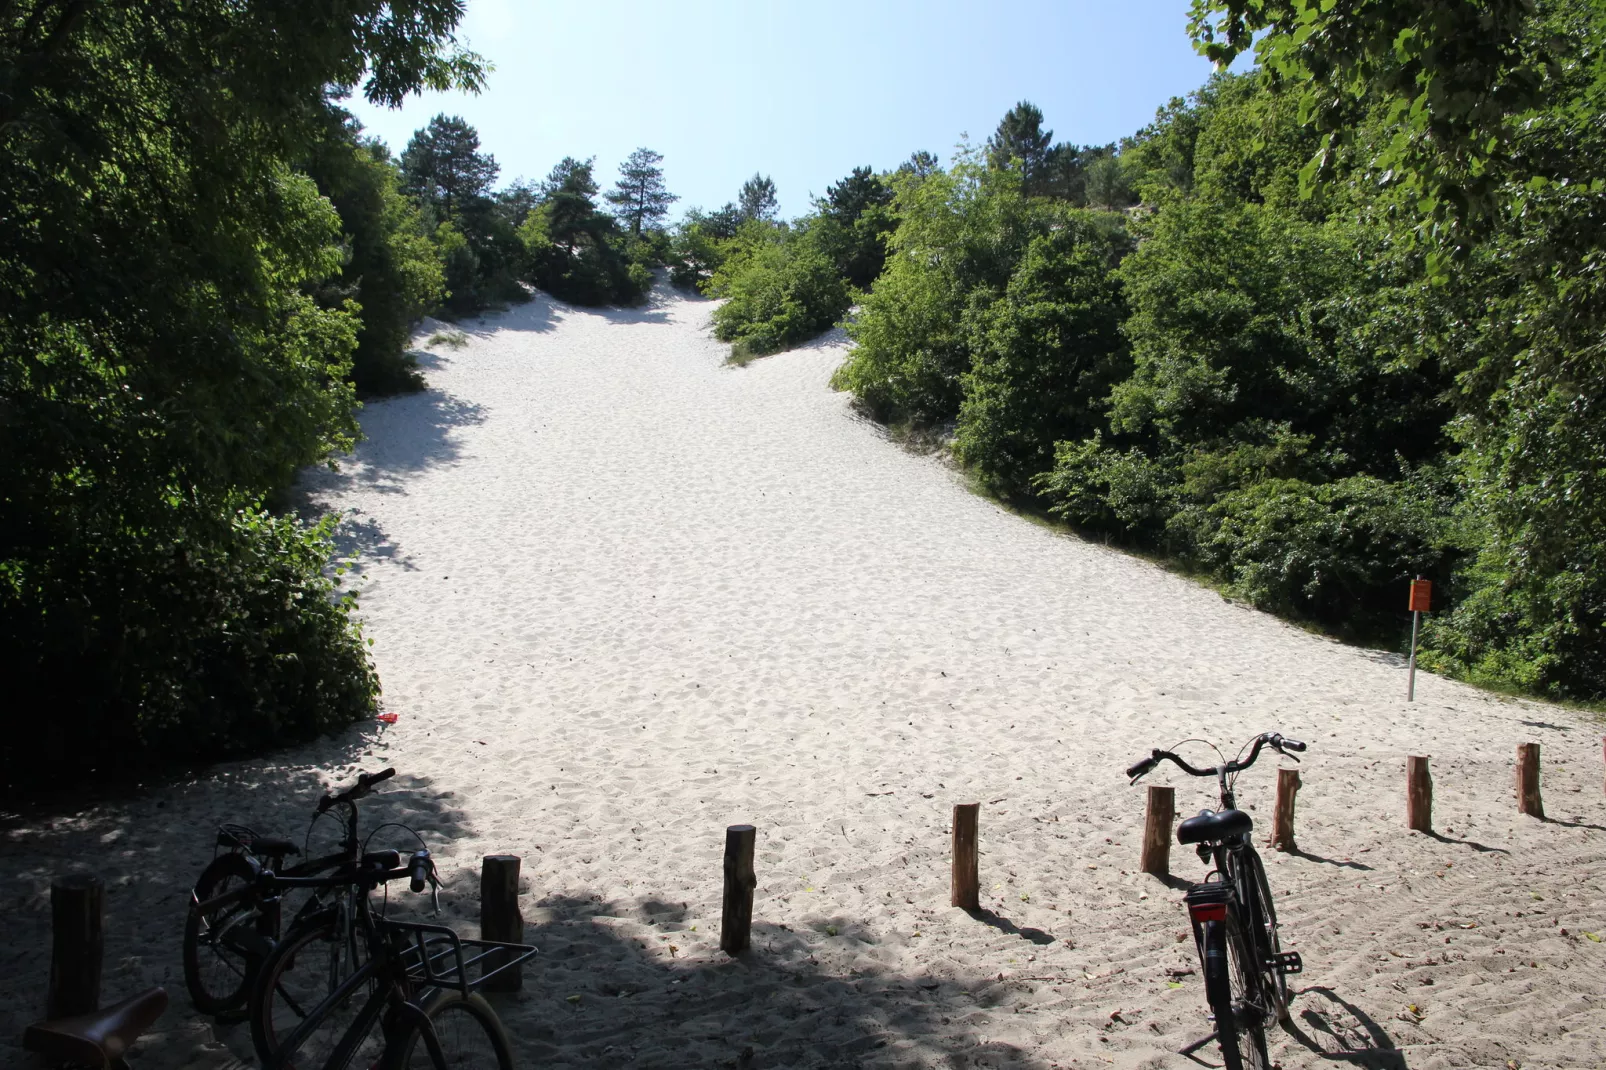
pixel 1289 962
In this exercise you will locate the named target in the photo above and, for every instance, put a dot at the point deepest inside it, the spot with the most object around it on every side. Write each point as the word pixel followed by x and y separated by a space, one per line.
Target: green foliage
pixel 640 197
pixel 696 252
pixel 175 345
pixel 575 252
pixel 780 288
pixel 852 224
pixel 192 640
pixel 1045 354
pixel 1338 553
pixel 756 202
pixel 392 269
pixel 960 236
pixel 444 169
pixel 475 234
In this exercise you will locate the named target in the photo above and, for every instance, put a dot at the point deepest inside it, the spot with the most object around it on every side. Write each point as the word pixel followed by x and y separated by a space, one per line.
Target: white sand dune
pixel 623 595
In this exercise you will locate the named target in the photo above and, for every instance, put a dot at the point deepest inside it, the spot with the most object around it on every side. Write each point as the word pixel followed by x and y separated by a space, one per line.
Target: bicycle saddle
pixel 100 1038
pixel 1212 826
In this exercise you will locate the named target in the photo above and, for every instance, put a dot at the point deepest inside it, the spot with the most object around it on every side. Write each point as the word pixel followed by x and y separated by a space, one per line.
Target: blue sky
pixel 803 92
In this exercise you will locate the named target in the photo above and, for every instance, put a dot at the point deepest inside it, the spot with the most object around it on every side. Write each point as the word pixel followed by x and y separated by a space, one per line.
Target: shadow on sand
pixel 607 990
pixel 1343 1032
pixel 148 844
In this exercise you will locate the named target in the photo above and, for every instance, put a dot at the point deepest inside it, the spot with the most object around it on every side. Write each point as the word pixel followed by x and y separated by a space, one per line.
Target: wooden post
pixel 1282 825
pixel 966 882
pixel 1418 795
pixel 736 919
pixel 500 918
pixel 1528 800
pixel 1157 825
pixel 77 904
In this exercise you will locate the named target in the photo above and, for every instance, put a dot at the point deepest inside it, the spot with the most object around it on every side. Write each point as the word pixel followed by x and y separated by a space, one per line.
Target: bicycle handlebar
pixel 418 870
pixel 1276 741
pixel 364 787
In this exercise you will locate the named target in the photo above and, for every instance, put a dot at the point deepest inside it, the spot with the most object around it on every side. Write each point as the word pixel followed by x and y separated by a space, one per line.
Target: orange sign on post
pixel 1421 596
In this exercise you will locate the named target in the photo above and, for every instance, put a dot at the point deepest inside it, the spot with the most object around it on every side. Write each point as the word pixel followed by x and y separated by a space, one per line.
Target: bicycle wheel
pixel 470 1034
pixel 307 967
pixel 1230 988
pixel 1263 924
pixel 223 946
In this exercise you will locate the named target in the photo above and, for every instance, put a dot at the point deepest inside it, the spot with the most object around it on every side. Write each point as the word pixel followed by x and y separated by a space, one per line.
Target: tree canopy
pixel 639 197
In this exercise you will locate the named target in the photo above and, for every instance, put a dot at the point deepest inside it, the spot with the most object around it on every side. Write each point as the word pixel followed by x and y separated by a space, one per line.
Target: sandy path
pixel 623 595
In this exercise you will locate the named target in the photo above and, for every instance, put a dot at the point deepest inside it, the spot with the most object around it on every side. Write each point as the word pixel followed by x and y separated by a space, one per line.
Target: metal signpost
pixel 1421 601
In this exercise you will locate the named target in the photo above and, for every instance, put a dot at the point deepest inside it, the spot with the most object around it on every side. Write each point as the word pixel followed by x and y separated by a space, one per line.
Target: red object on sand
pixel 388 718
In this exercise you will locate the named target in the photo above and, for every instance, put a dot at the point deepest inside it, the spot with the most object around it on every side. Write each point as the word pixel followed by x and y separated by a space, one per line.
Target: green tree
pixel 854 218
pixel 1045 355
pixel 1020 141
pixel 392 270
pixel 780 288
pixel 443 167
pixel 757 200
pixel 639 197
pixel 961 233
pixel 572 250
pixel 165 367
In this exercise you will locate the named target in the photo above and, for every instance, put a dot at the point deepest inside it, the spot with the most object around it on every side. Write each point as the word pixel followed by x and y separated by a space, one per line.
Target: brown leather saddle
pixel 100 1038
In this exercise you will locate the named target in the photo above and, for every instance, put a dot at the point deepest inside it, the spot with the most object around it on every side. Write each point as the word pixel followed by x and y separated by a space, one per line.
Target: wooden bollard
pixel 1528 800
pixel 966 880
pixel 736 918
pixel 1157 825
pixel 77 904
pixel 1282 822
pixel 1418 795
pixel 500 918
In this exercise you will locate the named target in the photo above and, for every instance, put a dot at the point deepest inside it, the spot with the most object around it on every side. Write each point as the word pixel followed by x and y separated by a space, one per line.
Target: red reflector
pixel 1208 911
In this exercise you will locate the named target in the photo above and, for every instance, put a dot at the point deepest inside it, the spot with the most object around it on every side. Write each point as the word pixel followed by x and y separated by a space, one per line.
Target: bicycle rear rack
pixel 434 956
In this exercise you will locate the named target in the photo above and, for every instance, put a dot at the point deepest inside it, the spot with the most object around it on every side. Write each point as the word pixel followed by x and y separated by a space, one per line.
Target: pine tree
pixel 757 199
pixel 640 199
pixel 571 214
pixel 444 168
pixel 1020 136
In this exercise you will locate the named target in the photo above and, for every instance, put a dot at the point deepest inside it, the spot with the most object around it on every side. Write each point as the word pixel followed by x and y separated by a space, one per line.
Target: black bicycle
pixel 236 919
pixel 411 1004
pixel 1234 921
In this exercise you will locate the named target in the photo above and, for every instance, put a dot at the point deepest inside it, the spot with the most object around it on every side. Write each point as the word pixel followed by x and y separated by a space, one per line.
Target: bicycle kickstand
pixel 1197 1044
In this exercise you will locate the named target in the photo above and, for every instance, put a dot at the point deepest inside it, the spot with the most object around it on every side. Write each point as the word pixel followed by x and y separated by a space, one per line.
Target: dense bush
pixel 1313 371
pixel 393 270
pixel 961 234
pixel 174 348
pixel 1045 354
pixel 212 638
pixel 780 288
pixel 577 253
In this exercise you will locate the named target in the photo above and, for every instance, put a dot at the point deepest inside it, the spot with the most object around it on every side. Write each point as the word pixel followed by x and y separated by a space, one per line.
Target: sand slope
pixel 623 595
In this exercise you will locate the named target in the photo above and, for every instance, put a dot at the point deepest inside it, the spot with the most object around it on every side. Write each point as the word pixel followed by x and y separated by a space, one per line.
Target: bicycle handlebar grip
pixel 1137 769
pixel 370 779
pixel 420 867
pixel 1293 744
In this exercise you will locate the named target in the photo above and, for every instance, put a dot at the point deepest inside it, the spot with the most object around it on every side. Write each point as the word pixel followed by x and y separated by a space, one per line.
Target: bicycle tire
pixel 470 1033
pixel 302 971
pixel 1263 924
pixel 1239 1031
pixel 218 973
pixel 1248 1016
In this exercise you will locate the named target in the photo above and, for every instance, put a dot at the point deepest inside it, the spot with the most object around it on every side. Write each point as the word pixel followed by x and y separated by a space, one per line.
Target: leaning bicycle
pixel 235 918
pixel 1234 921
pixel 412 1004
